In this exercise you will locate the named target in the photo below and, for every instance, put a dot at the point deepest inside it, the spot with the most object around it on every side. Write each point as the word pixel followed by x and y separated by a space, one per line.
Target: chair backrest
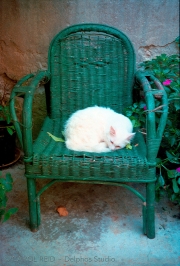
pixel 90 64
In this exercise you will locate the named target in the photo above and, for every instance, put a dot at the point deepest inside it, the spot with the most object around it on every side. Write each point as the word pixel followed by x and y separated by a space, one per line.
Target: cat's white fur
pixel 97 129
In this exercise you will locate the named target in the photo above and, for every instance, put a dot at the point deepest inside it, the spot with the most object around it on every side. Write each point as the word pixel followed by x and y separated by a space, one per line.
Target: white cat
pixel 97 129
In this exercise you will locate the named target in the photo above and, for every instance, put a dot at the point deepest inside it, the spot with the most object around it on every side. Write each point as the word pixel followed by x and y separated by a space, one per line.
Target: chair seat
pixel 51 158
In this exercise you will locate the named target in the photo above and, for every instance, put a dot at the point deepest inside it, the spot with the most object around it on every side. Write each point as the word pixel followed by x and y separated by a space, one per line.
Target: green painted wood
pixel 31 188
pixel 38 211
pixel 154 135
pixel 150 214
pixel 144 216
pixel 89 64
pixel 99 60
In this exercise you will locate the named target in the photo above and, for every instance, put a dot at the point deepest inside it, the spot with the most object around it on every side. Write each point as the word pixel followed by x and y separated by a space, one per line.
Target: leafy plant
pixel 136 114
pixel 5 187
pixel 166 69
pixel 5 112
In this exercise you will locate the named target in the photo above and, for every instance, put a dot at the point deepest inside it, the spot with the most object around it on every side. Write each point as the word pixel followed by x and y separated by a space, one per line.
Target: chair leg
pixel 33 215
pixel 144 215
pixel 150 215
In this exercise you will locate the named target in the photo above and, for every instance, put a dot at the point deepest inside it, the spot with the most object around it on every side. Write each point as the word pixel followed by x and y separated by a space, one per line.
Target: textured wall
pixel 28 26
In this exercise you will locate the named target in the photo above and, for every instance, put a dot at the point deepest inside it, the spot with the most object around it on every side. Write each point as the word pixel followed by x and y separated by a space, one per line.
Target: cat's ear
pixel 130 136
pixel 112 131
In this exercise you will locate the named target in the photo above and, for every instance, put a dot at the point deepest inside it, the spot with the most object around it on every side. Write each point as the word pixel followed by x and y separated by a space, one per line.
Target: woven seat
pixel 52 158
pixel 88 65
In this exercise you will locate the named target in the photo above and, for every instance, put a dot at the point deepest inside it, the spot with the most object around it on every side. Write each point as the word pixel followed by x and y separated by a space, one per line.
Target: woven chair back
pixel 90 65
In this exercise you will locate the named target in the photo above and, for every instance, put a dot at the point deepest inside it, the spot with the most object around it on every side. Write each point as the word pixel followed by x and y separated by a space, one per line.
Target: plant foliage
pixel 5 187
pixel 166 69
pixel 5 113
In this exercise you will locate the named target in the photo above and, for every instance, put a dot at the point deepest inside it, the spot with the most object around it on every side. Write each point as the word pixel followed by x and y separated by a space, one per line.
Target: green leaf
pixel 8 214
pixel 173 197
pixel 171 173
pixel 129 113
pixel 9 178
pixel 55 138
pixel 2 191
pixel 6 217
pixel 128 146
pixel 135 105
pixel 166 71
pixel 135 123
pixel 175 186
pixel 172 141
pixel 10 130
pixel 158 160
pixel 172 159
pixel 161 180
pixel 177 104
pixel 3 201
pixel 6 184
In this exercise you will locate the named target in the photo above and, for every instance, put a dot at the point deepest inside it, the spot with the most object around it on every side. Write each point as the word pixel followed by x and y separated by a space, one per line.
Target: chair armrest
pixel 27 92
pixel 153 133
pixel 18 90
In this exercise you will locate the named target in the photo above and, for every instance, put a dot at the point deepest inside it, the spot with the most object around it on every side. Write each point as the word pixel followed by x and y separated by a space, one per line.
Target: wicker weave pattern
pixel 54 159
pixel 90 68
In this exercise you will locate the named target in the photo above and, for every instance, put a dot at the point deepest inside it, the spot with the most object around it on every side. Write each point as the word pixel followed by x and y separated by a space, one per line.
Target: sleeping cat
pixel 97 129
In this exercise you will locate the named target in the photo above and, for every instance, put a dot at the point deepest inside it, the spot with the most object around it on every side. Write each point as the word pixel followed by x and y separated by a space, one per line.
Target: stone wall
pixel 28 26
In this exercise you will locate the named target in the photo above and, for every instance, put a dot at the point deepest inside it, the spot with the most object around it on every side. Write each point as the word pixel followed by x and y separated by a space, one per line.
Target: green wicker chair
pixel 88 65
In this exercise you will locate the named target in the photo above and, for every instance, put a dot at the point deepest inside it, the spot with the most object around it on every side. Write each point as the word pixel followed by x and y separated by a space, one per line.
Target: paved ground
pixel 104 227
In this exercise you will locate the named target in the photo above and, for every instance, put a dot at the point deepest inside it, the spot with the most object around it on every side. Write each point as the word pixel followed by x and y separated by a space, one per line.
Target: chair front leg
pixel 150 214
pixel 33 214
pixel 144 215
